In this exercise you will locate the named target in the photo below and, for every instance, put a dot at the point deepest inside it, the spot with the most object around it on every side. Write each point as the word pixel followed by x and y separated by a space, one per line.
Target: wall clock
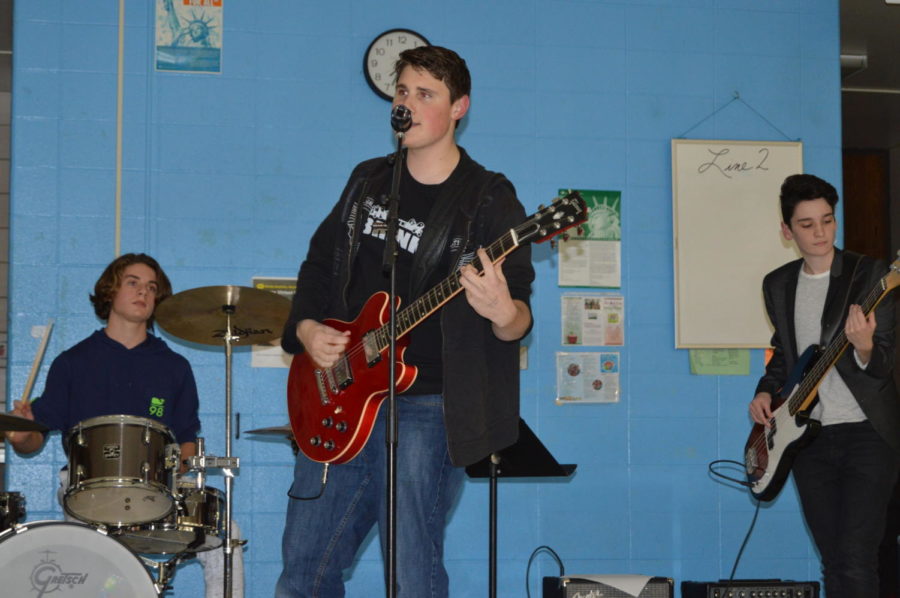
pixel 382 54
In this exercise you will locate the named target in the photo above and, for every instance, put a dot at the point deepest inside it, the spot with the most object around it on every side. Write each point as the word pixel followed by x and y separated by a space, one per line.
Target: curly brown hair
pixel 109 282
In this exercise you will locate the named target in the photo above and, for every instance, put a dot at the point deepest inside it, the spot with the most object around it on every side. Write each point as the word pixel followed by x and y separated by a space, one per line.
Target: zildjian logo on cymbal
pixel 242 332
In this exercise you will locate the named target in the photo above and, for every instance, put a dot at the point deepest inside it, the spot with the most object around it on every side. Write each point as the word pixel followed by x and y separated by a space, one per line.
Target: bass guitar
pixel 332 410
pixel 770 451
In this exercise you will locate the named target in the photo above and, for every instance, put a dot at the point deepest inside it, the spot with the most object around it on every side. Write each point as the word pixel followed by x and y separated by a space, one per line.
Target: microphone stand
pixel 391 436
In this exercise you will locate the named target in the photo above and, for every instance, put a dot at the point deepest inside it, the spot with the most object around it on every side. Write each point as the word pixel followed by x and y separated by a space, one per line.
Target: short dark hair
pixel 109 282
pixel 443 64
pixel 804 187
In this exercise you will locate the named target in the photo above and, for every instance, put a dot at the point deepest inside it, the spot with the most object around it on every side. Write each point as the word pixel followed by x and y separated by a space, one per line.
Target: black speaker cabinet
pixel 749 588
pixel 580 587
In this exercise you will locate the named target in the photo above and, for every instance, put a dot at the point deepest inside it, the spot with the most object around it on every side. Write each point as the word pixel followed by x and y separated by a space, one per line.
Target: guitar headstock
pixel 562 214
pixel 892 278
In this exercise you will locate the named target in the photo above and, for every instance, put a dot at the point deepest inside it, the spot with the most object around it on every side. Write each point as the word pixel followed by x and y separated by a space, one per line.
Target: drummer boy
pixel 121 369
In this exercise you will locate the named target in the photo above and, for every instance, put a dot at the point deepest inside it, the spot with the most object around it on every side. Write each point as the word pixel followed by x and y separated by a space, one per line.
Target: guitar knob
pixel 328 446
pixel 543 232
pixel 315 441
pixel 571 219
pixel 327 422
pixel 341 427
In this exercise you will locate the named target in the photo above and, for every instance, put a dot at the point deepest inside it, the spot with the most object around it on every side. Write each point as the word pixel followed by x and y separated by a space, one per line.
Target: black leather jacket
pixel 481 373
pixel 873 387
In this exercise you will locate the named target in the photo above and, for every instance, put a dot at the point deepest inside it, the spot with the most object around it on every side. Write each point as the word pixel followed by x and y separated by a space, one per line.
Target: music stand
pixel 527 458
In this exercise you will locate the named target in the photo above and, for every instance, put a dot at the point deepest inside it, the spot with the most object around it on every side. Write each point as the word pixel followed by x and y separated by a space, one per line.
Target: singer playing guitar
pixel 463 404
pixel 845 473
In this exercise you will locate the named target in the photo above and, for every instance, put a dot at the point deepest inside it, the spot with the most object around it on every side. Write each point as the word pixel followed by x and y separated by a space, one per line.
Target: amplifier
pixel 592 587
pixel 750 588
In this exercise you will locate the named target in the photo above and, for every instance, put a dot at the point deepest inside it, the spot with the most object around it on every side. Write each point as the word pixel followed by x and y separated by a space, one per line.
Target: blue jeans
pixel 845 479
pixel 322 536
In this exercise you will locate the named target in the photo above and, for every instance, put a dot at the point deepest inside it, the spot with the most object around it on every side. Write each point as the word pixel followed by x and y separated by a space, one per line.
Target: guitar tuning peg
pixel 580 230
pixel 565 236
pixel 553 243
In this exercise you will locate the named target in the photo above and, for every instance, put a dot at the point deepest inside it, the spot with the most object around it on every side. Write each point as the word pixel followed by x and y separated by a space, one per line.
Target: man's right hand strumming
pixel 323 343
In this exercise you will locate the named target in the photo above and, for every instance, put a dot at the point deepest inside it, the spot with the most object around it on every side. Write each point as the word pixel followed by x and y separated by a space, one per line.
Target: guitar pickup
pixel 341 374
pixel 370 346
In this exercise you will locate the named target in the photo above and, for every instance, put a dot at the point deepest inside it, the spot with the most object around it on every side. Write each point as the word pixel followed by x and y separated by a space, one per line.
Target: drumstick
pixel 38 357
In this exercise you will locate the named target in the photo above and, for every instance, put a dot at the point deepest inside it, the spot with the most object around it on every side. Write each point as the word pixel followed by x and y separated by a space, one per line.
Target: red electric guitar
pixel 769 452
pixel 332 410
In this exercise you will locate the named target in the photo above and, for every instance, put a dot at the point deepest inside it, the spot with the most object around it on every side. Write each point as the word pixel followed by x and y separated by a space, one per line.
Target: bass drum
pixel 43 557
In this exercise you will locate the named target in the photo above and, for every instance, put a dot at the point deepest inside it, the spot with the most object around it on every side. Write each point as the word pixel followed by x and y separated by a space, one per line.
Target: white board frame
pixel 726 237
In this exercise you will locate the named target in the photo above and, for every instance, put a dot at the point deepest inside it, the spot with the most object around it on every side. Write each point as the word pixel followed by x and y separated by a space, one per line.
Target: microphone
pixel 401 118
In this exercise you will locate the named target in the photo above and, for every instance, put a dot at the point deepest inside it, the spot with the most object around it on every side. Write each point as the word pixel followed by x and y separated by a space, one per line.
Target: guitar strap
pixel 829 331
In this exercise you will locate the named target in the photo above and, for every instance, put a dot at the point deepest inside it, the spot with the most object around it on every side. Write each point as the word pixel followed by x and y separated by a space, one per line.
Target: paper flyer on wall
pixel 587 378
pixel 271 355
pixel 189 36
pixel 593 319
pixel 591 256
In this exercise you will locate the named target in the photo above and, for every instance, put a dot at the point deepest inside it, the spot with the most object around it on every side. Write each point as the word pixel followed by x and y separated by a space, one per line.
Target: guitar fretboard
pixel 414 313
pixel 801 399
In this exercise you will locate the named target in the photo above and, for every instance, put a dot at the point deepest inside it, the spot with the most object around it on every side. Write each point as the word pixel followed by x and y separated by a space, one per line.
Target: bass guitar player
pixel 845 463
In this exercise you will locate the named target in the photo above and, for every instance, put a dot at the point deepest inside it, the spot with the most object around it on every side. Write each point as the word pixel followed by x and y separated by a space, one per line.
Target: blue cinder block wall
pixel 225 177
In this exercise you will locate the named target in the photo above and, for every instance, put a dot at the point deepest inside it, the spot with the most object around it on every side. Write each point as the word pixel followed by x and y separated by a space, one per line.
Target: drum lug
pixel 80 439
pixel 145 470
pixel 79 473
pixel 146 438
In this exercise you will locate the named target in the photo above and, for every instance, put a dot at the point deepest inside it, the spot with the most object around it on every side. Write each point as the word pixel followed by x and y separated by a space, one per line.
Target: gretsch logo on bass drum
pixel 47 577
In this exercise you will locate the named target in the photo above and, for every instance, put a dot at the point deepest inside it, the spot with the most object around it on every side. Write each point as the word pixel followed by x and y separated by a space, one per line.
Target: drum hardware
pixel 12 509
pixel 209 462
pixel 165 570
pixel 224 315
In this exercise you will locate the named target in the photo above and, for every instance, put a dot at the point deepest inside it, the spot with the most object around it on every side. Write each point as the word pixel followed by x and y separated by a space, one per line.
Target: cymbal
pixel 199 315
pixel 17 423
pixel 275 431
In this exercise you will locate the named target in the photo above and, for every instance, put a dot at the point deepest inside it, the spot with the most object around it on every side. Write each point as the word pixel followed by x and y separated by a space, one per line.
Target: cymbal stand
pixel 227 464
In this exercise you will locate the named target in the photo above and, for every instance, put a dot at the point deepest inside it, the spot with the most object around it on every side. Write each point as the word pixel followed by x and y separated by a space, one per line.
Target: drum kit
pixel 134 512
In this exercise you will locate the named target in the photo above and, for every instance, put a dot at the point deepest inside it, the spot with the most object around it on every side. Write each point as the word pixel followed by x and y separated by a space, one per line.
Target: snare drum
pixel 197 525
pixel 12 509
pixel 41 557
pixel 121 470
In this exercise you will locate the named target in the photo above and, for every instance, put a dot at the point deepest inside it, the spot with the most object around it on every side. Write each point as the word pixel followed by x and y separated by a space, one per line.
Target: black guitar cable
pixel 737 559
pixel 562 569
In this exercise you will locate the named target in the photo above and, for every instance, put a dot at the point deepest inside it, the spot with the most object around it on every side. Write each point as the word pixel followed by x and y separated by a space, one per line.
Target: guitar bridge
pixel 320 376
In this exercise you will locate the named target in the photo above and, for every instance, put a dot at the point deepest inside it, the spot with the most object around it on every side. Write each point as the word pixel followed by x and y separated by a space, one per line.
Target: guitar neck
pixel 805 392
pixel 420 309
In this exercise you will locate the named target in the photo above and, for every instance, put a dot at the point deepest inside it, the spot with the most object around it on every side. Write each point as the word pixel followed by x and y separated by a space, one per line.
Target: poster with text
pixel 591 257
pixel 189 36
pixel 593 319
pixel 587 378
pixel 271 355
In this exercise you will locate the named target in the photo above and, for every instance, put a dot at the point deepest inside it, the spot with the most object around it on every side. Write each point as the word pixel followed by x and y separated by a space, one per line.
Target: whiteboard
pixel 727 237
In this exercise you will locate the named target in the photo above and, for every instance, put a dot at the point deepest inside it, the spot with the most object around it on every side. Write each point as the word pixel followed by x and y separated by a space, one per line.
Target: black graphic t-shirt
pixel 416 201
